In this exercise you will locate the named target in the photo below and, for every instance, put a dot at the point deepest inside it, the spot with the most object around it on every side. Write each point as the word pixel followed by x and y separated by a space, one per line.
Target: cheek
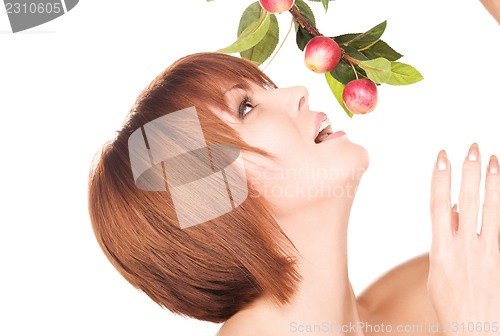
pixel 278 138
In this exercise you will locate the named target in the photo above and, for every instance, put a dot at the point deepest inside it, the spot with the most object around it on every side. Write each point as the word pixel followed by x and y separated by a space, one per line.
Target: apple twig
pixel 350 59
pixel 301 20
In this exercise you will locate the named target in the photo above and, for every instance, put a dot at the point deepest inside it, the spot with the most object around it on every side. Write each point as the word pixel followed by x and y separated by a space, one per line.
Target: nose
pixel 303 104
pixel 295 99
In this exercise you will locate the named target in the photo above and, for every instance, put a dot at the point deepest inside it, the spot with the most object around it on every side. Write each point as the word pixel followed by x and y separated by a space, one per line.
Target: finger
pixel 440 199
pixel 490 228
pixel 468 203
pixel 454 218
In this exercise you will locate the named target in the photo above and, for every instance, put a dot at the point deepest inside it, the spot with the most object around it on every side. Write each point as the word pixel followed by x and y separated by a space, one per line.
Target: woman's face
pixel 280 122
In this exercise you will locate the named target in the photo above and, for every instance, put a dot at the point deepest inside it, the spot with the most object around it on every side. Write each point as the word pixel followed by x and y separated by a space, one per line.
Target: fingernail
pixel 442 161
pixel 473 152
pixel 493 166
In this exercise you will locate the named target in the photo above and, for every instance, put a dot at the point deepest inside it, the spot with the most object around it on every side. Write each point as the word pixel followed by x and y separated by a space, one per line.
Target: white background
pixel 66 86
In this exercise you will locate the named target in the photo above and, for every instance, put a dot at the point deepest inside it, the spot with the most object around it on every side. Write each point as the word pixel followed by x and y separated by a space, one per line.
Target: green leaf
pixel 306 11
pixel 381 70
pixel 325 5
pixel 302 35
pixel 302 38
pixel 382 49
pixel 337 89
pixel 378 70
pixel 343 72
pixel 403 74
pixel 252 35
pixel 251 14
pixel 345 38
pixel 361 73
pixel 262 50
pixel 368 38
pixel 354 53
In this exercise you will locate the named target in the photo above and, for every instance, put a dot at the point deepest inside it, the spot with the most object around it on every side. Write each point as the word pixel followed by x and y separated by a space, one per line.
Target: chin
pixel 360 156
pixel 347 160
pixel 345 151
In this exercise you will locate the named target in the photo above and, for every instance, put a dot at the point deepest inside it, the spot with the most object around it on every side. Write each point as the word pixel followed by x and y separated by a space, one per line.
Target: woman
pixel 276 263
pixel 493 7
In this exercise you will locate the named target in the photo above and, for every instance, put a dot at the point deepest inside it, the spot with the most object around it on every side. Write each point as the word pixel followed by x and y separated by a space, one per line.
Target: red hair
pixel 209 271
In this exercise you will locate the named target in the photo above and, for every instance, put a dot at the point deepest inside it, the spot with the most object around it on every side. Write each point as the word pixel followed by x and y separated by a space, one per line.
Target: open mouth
pixel 324 131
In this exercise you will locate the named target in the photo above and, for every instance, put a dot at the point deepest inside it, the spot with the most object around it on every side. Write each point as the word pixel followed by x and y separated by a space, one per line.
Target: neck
pixel 324 300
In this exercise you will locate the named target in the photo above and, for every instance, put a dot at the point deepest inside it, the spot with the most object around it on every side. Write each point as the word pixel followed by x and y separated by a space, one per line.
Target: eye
pixel 245 107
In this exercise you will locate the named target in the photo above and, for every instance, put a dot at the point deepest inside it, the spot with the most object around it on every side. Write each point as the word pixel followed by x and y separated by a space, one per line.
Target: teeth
pixel 324 124
pixel 324 130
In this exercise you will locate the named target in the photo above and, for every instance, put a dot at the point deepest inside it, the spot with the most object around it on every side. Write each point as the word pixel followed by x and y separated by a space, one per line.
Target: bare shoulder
pixel 408 278
pixel 241 325
pixel 400 297
pixel 231 329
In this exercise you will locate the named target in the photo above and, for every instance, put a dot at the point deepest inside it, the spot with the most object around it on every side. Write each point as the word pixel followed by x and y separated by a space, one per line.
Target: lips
pixel 336 135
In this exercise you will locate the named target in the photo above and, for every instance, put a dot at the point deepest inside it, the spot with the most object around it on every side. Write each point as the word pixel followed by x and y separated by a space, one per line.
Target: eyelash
pixel 245 103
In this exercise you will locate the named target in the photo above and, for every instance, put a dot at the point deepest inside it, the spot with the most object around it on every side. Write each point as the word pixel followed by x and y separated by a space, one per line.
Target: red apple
pixel 276 6
pixel 360 96
pixel 322 54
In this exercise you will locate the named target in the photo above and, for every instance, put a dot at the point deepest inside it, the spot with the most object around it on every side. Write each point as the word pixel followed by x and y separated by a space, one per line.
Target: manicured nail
pixel 473 152
pixel 442 161
pixel 493 166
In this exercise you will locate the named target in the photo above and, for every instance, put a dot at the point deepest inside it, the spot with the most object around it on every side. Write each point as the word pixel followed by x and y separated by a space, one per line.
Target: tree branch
pixel 301 20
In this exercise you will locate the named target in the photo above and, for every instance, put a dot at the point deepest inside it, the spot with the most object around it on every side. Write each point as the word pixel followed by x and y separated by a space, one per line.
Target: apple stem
pixel 279 48
pixel 350 59
pixel 301 20
pixel 353 69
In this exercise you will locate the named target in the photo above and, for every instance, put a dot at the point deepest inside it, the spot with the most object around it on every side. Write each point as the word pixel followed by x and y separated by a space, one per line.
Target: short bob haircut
pixel 209 271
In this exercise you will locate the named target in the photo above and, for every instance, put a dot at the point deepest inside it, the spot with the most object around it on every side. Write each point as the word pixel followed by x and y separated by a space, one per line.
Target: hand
pixel 493 6
pixel 464 273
